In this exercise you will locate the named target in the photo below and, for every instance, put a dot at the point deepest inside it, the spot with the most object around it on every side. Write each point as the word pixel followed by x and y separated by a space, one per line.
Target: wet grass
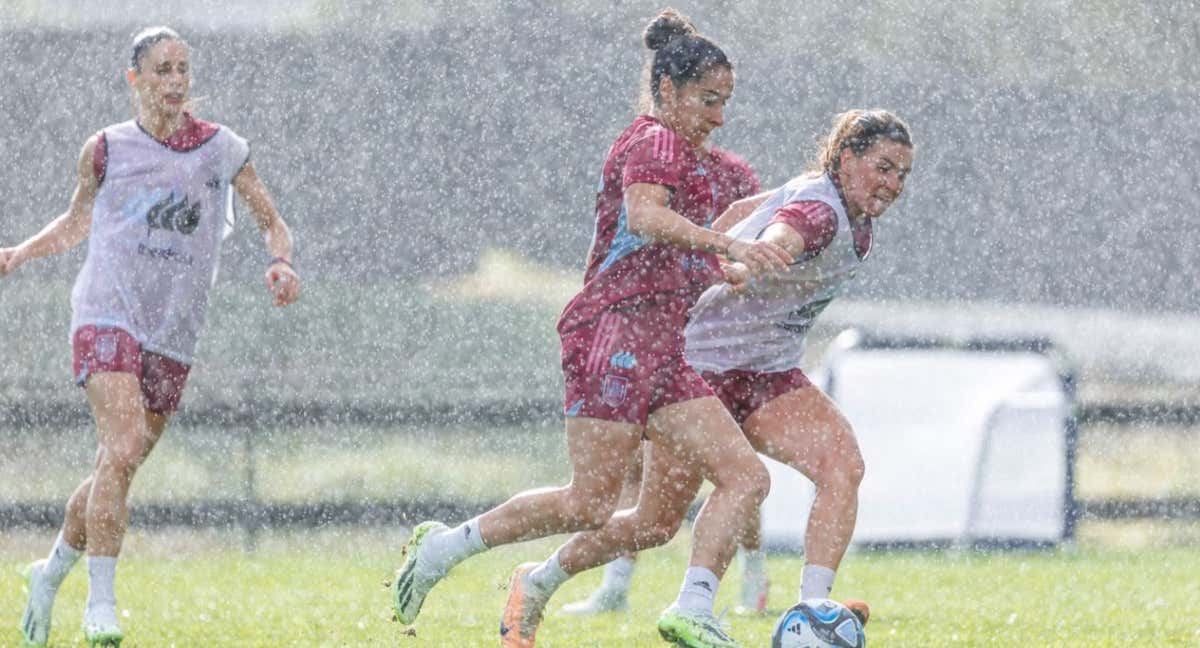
pixel 326 589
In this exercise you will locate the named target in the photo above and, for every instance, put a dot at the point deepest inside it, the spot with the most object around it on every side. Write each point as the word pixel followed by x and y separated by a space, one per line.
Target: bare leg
pixel 127 434
pixel 74 527
pixel 751 539
pixel 632 485
pixel 667 490
pixel 804 429
pixel 601 453
pixel 705 438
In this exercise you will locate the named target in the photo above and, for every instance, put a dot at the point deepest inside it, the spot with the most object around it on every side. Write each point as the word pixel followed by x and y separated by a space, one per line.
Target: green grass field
pixel 327 589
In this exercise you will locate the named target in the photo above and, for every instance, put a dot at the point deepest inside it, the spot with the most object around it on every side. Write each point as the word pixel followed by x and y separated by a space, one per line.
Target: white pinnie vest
pixel 763 329
pixel 154 247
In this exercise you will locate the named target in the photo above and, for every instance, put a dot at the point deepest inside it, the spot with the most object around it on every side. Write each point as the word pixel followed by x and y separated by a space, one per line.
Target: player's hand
pixel 9 260
pixel 760 257
pixel 283 283
pixel 737 275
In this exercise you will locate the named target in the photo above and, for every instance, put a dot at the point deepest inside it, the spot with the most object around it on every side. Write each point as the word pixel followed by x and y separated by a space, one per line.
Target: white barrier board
pixel 960 446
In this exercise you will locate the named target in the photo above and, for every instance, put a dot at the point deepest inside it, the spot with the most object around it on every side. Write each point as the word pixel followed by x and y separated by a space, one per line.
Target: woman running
pixel 622 341
pixel 734 180
pixel 154 200
pixel 748 339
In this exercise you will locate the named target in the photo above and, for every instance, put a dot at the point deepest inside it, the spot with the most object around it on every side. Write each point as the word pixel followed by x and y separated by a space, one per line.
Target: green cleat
pixel 413 579
pixel 35 621
pixel 693 629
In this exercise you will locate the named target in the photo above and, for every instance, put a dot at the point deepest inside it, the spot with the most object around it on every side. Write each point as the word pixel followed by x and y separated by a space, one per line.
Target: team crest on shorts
pixel 106 347
pixel 614 391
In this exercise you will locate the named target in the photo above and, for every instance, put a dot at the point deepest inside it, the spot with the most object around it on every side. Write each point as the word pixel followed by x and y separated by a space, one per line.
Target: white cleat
pixel 100 627
pixel 35 622
pixel 602 600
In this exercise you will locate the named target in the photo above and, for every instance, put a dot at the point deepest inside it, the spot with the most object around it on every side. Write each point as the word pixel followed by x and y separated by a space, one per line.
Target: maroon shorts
pixel 743 392
pixel 97 349
pixel 625 364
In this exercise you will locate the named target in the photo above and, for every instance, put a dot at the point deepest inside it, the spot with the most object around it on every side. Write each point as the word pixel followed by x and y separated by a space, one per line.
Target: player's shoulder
pixel 730 160
pixel 656 138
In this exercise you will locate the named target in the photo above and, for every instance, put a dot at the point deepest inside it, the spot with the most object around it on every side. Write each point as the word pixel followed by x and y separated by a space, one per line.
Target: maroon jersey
pixel 623 266
pixel 816 223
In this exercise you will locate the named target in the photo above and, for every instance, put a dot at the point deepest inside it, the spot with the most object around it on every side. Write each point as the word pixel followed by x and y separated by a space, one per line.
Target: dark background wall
pixel 407 148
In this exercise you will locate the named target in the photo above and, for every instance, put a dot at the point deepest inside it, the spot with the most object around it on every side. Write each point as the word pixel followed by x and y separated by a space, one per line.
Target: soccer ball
pixel 818 623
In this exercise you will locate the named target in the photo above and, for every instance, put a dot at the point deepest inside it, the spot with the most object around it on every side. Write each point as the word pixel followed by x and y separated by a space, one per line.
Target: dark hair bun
pixel 664 27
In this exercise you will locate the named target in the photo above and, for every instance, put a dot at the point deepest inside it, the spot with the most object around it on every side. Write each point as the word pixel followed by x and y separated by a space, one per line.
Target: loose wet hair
pixel 681 54
pixel 147 38
pixel 859 130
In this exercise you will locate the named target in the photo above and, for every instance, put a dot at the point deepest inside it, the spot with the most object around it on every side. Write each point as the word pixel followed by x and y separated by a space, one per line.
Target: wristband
pixel 283 261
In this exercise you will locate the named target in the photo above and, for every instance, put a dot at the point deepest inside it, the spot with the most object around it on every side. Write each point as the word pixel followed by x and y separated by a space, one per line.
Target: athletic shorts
pixel 743 392
pixel 627 363
pixel 98 349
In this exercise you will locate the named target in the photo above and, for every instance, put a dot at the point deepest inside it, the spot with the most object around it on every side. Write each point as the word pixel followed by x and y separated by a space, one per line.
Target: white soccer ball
pixel 818 623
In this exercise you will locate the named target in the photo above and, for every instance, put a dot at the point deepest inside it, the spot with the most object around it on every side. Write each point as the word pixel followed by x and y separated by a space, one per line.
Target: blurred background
pixel 437 163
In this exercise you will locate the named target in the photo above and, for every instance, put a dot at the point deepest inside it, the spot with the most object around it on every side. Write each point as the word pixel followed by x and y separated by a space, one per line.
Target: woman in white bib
pixel 154 200
pixel 747 339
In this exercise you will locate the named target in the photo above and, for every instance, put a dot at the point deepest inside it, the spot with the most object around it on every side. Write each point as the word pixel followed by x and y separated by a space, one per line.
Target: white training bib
pixel 154 247
pixel 763 329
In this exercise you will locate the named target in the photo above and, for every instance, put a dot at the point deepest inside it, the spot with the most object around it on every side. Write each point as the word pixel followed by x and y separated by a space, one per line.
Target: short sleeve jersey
pixel 160 215
pixel 623 266
pixel 763 328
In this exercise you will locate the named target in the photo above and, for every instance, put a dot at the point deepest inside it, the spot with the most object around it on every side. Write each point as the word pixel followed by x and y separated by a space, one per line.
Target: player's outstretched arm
pixel 650 216
pixel 739 210
pixel 66 231
pixel 282 280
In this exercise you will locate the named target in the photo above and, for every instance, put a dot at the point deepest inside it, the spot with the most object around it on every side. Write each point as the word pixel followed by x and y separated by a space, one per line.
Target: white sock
pixel 548 576
pixel 102 571
pixel 698 591
pixel 59 563
pixel 453 546
pixel 754 565
pixel 618 574
pixel 816 582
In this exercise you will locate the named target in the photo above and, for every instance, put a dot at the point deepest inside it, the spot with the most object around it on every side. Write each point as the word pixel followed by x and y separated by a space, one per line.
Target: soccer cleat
pixel 693 629
pixel 35 622
pixel 601 600
pixel 754 596
pixel 100 627
pixel 523 612
pixel 413 579
pixel 860 609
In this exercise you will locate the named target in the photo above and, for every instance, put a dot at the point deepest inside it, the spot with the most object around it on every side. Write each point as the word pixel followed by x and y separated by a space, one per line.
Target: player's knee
pixel 594 518
pixel 843 473
pixel 856 469
pixel 592 510
pixel 757 482
pixel 123 458
pixel 660 532
pixel 749 479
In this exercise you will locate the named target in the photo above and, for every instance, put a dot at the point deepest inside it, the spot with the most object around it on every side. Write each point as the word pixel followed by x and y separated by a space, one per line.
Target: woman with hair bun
pixel 623 348
pixel 153 197
pixel 748 340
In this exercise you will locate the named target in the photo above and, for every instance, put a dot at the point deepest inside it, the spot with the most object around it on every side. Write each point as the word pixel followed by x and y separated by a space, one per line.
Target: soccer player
pixel 748 339
pixel 154 200
pixel 733 180
pixel 622 343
